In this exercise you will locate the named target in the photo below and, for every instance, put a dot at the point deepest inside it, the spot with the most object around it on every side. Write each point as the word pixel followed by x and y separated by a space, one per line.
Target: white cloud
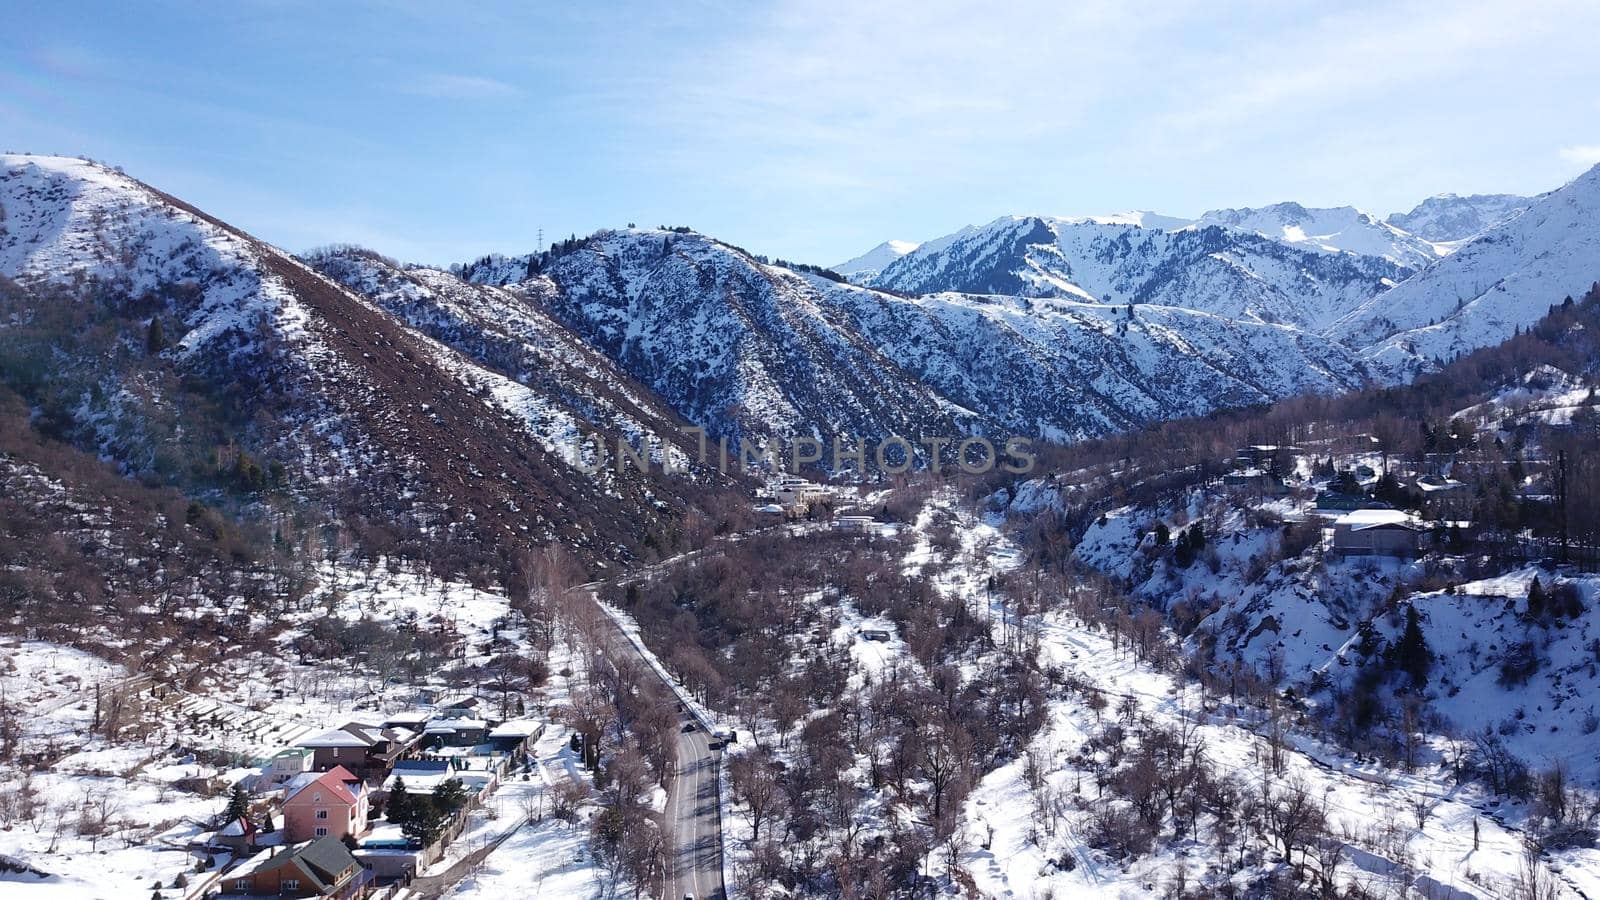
pixel 1582 154
pixel 462 87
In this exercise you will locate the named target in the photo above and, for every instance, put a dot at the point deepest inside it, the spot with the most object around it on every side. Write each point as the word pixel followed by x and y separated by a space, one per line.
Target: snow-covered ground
pixel 537 855
pixel 1546 395
pixel 146 798
pixel 1375 809
pixel 100 818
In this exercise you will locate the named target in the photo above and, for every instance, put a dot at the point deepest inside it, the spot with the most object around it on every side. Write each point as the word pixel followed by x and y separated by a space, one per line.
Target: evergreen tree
pixel 399 805
pixel 450 796
pixel 1347 484
pixel 1536 600
pixel 155 340
pixel 238 805
pixel 1183 549
pixel 1411 655
pixel 1566 602
pixel 425 822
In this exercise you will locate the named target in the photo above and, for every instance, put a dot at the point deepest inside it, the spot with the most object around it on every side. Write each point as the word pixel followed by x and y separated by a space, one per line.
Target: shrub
pixel 1518 664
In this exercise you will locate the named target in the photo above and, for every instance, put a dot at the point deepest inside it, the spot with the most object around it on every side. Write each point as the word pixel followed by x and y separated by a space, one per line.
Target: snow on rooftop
pixel 516 728
pixel 1362 519
pixel 334 737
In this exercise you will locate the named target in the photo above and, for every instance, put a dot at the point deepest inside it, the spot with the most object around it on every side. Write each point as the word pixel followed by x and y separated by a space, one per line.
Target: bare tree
pixel 1534 880
pixel 755 784
pixel 1292 815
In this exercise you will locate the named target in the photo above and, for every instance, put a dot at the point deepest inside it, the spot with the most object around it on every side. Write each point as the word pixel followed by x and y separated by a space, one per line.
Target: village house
pixel 367 750
pixel 330 804
pixel 1273 458
pixel 793 493
pixel 514 736
pixel 1445 497
pixel 1258 481
pixel 1378 532
pixel 318 868
pixel 455 727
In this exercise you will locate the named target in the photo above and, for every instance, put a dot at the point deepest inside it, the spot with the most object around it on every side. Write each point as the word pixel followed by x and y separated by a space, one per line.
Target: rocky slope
pixel 164 339
pixel 749 348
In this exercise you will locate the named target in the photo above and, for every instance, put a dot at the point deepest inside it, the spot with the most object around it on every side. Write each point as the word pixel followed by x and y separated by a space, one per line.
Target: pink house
pixel 325 804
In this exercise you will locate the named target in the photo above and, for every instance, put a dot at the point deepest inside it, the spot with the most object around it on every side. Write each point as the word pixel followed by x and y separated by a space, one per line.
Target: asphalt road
pixel 693 829
pixel 694 832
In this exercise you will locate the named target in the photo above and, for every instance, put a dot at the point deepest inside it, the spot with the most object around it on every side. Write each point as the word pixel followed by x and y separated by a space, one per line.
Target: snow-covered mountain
pixel 864 268
pixel 173 334
pixel 559 384
pixel 753 349
pixel 1062 328
pixel 1504 279
pixel 1448 217
pixel 1224 271
pixel 1340 229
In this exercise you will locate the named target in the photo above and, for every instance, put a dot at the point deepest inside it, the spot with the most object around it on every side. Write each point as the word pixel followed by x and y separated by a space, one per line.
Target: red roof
pixel 337 781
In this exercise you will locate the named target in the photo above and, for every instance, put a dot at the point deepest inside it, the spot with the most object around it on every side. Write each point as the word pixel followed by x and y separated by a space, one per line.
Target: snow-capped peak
pixel 1340 229
pixel 1224 271
pixel 865 267
pixel 1139 218
pixel 1450 217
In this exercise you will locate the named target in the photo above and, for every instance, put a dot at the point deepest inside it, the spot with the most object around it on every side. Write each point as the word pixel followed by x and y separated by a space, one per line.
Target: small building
pixel 1333 501
pixel 411 720
pixel 329 804
pixel 421 776
pixel 515 735
pixel 390 860
pixel 320 868
pixel 237 837
pixel 1378 532
pixel 1271 457
pixel 285 765
pixel 1258 481
pixel 856 524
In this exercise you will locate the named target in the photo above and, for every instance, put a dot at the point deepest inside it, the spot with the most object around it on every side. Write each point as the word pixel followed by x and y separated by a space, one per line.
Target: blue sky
pixel 437 132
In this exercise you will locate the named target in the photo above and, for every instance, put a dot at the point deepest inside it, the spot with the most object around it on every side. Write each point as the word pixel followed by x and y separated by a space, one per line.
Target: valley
pixel 1294 595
